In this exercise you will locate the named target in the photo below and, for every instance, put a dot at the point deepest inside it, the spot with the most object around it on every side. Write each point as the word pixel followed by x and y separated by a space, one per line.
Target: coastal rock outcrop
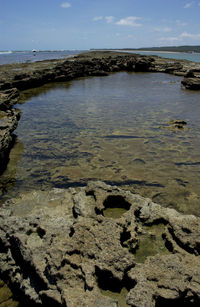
pixel 8 123
pixel 191 80
pixel 8 98
pixel 9 118
pixel 59 248
pixel 191 83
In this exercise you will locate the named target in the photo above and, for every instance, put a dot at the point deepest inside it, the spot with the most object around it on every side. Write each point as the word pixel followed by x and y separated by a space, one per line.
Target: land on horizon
pixel 185 48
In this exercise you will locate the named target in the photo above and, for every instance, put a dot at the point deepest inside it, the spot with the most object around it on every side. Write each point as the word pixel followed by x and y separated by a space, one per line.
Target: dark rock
pixel 8 98
pixel 8 123
pixel 177 124
pixel 191 83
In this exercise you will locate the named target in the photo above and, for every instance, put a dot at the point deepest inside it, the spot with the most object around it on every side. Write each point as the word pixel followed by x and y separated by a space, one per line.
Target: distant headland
pixel 185 48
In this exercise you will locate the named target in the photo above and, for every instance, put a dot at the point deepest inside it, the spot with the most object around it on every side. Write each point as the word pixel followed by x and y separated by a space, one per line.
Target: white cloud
pixel 188 5
pixel 181 37
pixel 97 18
pixel 190 35
pixel 129 21
pixel 65 5
pixel 109 19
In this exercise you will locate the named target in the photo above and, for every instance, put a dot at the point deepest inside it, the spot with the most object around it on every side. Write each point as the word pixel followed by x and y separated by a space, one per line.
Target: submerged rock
pixel 58 249
pixel 177 124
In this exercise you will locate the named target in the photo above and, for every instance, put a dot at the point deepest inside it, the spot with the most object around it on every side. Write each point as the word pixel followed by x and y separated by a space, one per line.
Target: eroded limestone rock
pixel 8 123
pixel 58 249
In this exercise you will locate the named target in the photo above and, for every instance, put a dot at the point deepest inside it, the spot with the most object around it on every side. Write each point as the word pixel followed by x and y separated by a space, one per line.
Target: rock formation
pixel 58 248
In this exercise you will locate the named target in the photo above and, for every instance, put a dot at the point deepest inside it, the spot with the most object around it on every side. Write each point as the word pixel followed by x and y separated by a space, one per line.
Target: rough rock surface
pixel 58 248
pixel 8 123
pixel 191 83
pixel 8 98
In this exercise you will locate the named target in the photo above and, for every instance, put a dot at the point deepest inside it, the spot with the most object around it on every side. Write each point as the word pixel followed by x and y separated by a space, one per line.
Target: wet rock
pixel 59 249
pixel 191 83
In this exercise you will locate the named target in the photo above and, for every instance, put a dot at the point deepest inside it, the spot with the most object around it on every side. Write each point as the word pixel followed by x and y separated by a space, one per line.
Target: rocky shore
pixel 18 77
pixel 88 246
pixel 60 248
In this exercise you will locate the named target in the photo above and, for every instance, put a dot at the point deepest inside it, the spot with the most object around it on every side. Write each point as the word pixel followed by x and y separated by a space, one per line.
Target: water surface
pixel 194 57
pixel 113 129
pixel 9 57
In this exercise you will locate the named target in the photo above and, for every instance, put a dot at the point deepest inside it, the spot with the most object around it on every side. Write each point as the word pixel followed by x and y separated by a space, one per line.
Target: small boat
pixel 34 50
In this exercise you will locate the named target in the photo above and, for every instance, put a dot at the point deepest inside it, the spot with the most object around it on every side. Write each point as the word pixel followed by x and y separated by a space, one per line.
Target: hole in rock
pixel 126 240
pixel 75 215
pixel 114 288
pixel 124 237
pixel 72 232
pixel 41 232
pixel 91 193
pixel 115 206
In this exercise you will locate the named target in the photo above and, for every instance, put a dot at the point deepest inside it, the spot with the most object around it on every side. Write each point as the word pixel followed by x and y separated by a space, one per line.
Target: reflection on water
pixel 112 129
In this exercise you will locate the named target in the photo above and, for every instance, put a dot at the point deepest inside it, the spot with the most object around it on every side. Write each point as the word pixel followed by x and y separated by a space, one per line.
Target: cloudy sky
pixel 85 24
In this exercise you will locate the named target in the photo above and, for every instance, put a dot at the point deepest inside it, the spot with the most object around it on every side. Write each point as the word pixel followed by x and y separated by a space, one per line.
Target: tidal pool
pixel 112 129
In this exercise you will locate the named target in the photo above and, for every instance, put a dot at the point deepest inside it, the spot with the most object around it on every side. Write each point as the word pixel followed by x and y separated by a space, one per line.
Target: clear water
pixel 113 129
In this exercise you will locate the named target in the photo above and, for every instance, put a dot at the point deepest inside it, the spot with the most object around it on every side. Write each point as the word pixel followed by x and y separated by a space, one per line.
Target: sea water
pixel 9 57
pixel 114 129
pixel 194 57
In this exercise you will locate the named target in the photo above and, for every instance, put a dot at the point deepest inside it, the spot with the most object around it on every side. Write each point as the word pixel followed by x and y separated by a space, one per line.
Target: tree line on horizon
pixel 185 48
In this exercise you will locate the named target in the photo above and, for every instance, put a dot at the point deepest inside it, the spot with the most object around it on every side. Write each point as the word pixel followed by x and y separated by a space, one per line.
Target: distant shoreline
pixel 175 49
pixel 161 51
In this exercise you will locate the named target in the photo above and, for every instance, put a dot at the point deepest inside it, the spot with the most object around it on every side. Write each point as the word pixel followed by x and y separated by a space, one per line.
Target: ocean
pixel 194 57
pixel 9 57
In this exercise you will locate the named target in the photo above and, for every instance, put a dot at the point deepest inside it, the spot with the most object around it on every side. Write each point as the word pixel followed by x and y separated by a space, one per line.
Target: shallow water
pixel 113 129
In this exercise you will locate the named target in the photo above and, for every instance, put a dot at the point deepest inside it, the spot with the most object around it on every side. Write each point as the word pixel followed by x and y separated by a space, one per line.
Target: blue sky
pixel 85 24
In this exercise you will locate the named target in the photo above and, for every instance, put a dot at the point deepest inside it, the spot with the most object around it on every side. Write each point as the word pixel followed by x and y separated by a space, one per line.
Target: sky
pixel 85 24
